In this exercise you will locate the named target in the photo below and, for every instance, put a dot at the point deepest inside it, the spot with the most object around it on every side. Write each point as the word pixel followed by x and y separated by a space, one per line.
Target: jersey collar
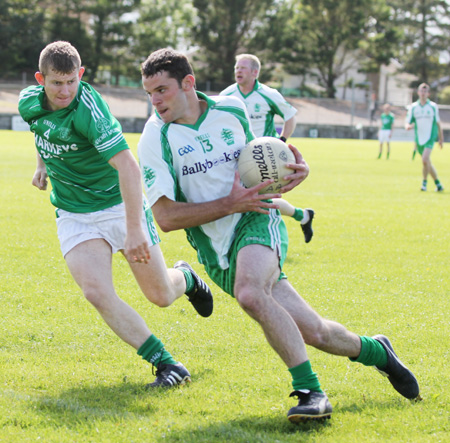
pixel 255 87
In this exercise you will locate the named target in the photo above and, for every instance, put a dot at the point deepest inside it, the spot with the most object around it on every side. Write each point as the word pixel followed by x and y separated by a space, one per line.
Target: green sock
pixel 153 351
pixel 190 283
pixel 424 183
pixel 372 353
pixel 387 156
pixel 379 155
pixel 437 182
pixel 414 154
pixel 304 378
pixel 298 214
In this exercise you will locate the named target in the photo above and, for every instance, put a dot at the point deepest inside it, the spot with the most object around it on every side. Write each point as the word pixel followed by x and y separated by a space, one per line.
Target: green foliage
pixel 161 23
pixel 221 29
pixel 425 27
pixel 325 38
pixel 378 263
pixel 21 35
pixel 444 96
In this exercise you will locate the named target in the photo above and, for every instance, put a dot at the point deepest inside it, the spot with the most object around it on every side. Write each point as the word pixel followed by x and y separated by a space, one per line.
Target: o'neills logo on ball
pixel 258 156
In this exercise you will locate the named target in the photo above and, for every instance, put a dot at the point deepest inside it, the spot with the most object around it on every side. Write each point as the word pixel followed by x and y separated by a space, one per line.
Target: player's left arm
pixel 288 127
pixel 301 170
pixel 441 134
pixel 136 245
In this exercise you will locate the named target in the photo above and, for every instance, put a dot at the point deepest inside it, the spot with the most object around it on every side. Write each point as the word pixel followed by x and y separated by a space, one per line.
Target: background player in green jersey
pixel 386 127
pixel 263 103
pixel 423 116
pixel 97 191
pixel 188 154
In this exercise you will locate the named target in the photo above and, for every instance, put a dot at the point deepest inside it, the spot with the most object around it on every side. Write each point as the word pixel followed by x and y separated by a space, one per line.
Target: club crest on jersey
pixel 185 150
pixel 102 124
pixel 64 134
pixel 257 107
pixel 227 136
pixel 149 176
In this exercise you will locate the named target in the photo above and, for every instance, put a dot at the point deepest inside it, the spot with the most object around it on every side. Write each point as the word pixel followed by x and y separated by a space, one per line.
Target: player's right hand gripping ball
pixel 262 159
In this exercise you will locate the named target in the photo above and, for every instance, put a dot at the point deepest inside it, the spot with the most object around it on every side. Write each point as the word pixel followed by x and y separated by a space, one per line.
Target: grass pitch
pixel 378 263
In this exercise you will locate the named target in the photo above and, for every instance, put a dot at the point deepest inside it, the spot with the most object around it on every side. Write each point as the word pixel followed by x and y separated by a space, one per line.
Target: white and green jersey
pixel 75 144
pixel 197 163
pixel 425 118
pixel 387 120
pixel 263 103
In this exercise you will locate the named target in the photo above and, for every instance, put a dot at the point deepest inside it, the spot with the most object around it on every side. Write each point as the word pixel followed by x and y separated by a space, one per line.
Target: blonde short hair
pixel 254 61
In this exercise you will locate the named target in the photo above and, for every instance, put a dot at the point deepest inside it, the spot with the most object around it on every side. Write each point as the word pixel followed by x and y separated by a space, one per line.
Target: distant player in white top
pixel 423 116
pixel 188 154
pixel 263 103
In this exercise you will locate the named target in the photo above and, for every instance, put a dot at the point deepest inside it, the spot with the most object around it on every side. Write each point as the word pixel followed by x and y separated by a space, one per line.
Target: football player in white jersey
pixel 423 116
pixel 188 154
pixel 263 103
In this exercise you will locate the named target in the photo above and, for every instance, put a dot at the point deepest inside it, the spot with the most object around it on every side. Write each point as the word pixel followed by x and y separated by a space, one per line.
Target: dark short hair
pixel 60 57
pixel 167 60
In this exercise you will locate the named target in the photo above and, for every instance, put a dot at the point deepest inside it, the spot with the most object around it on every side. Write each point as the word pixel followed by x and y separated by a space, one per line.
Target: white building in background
pixel 389 85
pixel 394 85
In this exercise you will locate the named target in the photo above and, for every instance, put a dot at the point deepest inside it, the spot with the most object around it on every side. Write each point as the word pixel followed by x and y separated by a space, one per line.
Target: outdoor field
pixel 378 263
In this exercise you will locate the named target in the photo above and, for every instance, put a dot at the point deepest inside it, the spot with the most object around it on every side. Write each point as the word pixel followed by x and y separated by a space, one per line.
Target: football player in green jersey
pixel 188 154
pixel 97 191
pixel 423 116
pixel 262 104
pixel 386 128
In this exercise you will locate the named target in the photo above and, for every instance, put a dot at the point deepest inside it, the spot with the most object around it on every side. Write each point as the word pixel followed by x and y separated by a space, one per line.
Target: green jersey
pixel 387 120
pixel 75 143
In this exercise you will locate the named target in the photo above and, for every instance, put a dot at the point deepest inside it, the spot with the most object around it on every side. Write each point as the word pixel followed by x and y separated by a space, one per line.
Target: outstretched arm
pixel 136 245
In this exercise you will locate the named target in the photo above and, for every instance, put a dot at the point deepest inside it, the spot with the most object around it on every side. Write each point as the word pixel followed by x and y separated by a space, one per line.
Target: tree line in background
pixel 318 38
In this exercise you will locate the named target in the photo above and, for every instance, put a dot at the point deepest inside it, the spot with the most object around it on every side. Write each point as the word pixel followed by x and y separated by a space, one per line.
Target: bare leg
pixel 326 335
pixel 428 167
pixel 90 265
pixel 160 285
pixel 256 272
pixel 285 207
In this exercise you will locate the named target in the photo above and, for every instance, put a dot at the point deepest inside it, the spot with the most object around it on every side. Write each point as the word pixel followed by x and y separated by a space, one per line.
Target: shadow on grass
pixel 88 405
pixel 99 402
pixel 251 429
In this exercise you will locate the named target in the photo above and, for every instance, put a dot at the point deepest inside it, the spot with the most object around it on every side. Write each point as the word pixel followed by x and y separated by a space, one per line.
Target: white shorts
pixel 108 224
pixel 384 135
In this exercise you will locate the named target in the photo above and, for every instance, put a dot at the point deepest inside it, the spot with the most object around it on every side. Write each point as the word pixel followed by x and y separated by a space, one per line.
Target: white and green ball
pixel 262 159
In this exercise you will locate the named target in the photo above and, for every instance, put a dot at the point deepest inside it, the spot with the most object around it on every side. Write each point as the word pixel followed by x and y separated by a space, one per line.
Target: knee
pixel 317 337
pixel 95 297
pixel 158 297
pixel 250 299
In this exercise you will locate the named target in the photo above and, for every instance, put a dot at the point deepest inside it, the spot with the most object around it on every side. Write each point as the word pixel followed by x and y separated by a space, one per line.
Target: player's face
pixel 168 98
pixel 423 93
pixel 244 74
pixel 60 89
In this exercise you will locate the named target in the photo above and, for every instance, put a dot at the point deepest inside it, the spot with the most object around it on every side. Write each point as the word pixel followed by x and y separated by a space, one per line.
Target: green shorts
pixel 253 229
pixel 429 145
